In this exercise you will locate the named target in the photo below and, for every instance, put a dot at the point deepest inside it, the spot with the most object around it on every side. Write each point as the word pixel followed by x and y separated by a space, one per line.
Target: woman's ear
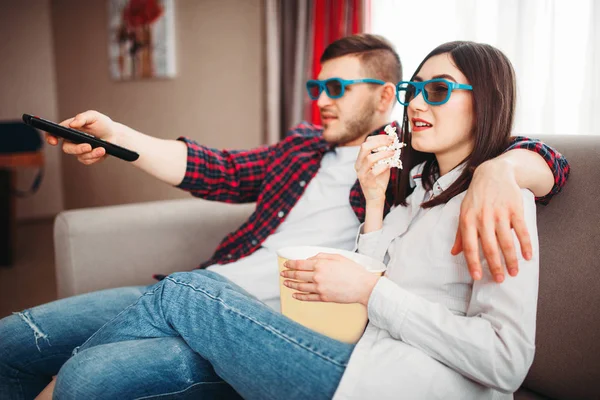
pixel 387 98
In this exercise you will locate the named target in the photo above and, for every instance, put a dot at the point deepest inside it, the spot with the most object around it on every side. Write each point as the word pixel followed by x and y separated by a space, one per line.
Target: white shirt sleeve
pixel 493 344
pixel 367 243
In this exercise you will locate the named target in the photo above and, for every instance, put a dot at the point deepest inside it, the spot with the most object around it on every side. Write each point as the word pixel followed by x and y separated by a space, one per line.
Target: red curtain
pixel 332 20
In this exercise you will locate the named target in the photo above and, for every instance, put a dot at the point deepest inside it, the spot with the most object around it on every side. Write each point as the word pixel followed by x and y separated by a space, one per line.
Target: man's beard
pixel 358 125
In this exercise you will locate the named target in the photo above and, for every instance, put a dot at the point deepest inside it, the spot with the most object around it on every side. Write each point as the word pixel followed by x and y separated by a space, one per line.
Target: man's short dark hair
pixel 376 54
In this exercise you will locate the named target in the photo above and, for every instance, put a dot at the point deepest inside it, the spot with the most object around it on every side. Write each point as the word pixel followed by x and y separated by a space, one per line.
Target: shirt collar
pixel 444 182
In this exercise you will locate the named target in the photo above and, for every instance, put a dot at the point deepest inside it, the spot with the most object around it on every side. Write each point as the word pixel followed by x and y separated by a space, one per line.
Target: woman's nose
pixel 418 103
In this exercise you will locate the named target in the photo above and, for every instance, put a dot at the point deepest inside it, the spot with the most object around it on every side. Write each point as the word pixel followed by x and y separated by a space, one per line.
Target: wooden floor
pixel 31 280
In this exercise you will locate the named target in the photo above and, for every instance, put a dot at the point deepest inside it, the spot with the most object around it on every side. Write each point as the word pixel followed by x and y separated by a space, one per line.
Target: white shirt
pixel 322 216
pixel 433 332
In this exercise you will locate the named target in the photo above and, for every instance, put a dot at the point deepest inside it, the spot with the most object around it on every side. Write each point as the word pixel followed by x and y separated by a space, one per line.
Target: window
pixel 554 46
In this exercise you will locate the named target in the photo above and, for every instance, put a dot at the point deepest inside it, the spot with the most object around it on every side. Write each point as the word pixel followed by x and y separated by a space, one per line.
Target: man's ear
pixel 387 98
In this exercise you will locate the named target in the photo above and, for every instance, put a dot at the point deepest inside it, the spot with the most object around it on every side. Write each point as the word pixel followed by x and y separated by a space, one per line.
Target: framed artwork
pixel 141 41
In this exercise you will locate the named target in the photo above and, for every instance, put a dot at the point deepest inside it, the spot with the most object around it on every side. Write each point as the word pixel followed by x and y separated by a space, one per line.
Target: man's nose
pixel 324 100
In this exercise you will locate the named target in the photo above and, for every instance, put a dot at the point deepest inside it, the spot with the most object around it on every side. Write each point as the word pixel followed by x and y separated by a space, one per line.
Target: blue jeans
pixel 36 343
pixel 237 339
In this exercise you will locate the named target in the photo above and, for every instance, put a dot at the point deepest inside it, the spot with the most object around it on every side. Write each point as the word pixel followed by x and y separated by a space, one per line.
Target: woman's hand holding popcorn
pixel 374 177
pixel 393 161
pixel 377 155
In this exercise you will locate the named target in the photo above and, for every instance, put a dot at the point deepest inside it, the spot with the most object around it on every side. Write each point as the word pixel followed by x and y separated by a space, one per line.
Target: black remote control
pixel 78 137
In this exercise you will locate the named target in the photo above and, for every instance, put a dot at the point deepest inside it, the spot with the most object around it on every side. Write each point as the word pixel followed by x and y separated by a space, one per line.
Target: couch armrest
pixel 104 247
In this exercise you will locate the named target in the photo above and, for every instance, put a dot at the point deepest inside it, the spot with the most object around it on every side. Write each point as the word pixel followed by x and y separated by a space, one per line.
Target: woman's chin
pixel 420 144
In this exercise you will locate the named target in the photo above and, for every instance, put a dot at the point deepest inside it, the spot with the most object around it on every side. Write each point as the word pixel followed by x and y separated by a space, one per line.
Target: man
pixel 301 187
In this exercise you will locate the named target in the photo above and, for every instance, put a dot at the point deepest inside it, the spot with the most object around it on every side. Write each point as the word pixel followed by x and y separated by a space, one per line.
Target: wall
pixel 216 97
pixel 28 85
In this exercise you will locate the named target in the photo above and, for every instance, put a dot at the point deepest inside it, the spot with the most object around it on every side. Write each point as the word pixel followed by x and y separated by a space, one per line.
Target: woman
pixel 433 331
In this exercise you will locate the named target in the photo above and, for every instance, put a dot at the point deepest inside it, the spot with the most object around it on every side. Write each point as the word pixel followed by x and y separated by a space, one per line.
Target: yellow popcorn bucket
pixel 343 322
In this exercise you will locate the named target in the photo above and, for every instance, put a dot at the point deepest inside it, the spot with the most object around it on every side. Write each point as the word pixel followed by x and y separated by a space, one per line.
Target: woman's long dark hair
pixel 494 96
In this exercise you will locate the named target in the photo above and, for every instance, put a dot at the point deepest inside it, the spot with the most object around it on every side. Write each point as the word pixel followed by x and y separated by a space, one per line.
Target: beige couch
pixel 124 245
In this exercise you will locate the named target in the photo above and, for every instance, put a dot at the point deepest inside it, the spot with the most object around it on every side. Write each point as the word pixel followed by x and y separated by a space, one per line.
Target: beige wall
pixel 28 85
pixel 216 97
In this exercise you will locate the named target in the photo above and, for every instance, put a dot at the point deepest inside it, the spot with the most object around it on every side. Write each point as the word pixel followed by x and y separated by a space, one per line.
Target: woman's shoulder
pixel 529 205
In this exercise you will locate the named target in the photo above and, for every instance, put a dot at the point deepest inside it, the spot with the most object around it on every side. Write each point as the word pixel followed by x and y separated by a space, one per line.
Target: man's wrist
pixel 122 134
pixel 519 163
pixel 502 165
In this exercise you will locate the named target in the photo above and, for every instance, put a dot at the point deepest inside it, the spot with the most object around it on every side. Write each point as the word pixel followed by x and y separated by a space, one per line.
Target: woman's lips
pixel 419 125
pixel 420 128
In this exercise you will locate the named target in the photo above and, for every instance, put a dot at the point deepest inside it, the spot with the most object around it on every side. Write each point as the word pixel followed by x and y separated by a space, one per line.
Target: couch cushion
pixel 567 360
pixel 524 394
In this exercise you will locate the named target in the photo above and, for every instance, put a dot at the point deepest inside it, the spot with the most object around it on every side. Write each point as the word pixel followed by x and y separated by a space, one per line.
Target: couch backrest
pixel 567 359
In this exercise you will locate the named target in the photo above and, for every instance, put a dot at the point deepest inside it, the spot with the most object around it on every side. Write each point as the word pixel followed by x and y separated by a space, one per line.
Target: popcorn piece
pixel 394 161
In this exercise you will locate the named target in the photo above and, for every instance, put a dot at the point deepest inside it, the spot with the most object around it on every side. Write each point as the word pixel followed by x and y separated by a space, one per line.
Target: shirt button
pixel 302 183
pixel 254 242
pixel 229 256
pixel 280 214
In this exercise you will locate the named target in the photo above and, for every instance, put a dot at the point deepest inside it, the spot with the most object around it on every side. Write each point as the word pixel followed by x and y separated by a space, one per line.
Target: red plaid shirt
pixel 276 176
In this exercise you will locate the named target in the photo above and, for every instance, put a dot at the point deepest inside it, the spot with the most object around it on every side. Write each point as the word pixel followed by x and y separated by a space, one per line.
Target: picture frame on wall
pixel 141 39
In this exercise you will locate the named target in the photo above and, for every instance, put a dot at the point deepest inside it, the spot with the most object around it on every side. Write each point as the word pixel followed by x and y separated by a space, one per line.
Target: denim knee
pixel 84 376
pixel 178 285
pixel 134 369
pixel 192 277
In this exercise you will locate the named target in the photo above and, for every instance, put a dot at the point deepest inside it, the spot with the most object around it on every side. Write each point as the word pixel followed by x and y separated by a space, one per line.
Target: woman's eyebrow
pixel 444 76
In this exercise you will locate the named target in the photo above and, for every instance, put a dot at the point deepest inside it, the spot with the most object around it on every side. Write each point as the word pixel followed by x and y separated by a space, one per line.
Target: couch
pixel 125 245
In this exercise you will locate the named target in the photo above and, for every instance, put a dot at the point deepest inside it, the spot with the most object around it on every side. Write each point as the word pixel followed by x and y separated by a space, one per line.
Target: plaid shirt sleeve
pixel 556 161
pixel 225 175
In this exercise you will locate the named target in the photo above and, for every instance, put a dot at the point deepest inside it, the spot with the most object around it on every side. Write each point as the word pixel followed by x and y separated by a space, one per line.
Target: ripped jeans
pixel 132 352
pixel 35 343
